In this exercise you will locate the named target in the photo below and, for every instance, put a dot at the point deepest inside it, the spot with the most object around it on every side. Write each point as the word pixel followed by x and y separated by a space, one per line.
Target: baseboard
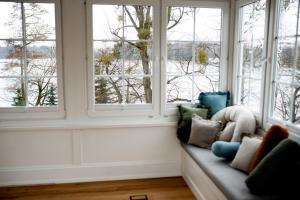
pixel 88 172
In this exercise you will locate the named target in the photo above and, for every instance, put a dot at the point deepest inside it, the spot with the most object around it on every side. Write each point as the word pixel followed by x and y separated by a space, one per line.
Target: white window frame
pixel 236 69
pixel 269 120
pixel 171 109
pixel 54 112
pixel 123 109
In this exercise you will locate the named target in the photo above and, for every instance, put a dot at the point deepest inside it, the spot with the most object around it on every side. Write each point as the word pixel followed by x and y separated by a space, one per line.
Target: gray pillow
pixel 204 132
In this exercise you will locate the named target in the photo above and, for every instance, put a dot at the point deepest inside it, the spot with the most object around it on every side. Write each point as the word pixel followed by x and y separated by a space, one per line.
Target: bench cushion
pixel 230 181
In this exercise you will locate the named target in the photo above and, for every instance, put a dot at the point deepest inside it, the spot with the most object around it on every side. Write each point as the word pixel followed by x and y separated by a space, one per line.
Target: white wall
pixel 79 148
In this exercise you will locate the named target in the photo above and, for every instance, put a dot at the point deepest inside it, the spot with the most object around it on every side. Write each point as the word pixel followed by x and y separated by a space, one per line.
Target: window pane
pixel 245 57
pixel 282 102
pixel 179 89
pixel 252 32
pixel 180 56
pixel 297 68
pixel 40 20
pixel 247 23
pixel 10 58
pixel 259 20
pixel 134 16
pixel 258 46
pixel 288 17
pixel 208 24
pixel 208 83
pixel 244 91
pixel 11 92
pixel 10 20
pixel 138 58
pixel 207 58
pixel 108 90
pixel 41 58
pixel 254 97
pixel 138 90
pixel 285 59
pixel 108 58
pixel 180 23
pixel 107 22
pixel 296 117
pixel 42 91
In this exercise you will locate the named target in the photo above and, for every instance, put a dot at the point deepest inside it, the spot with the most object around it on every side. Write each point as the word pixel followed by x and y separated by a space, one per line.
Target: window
pixel 123 54
pixel 126 40
pixel 28 55
pixel 251 53
pixel 286 63
pixel 194 52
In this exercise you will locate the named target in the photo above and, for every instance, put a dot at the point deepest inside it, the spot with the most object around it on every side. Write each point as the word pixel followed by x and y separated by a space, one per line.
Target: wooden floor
pixel 156 189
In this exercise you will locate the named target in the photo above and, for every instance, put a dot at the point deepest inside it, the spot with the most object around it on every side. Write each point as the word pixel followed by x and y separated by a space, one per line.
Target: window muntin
pixel 286 83
pixel 122 55
pixel 251 53
pixel 28 62
pixel 193 52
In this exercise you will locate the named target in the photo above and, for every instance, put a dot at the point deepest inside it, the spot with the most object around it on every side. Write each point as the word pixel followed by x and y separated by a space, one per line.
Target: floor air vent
pixel 138 197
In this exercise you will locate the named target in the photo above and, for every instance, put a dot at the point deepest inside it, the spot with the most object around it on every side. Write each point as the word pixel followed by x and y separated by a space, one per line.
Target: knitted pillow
pixel 273 136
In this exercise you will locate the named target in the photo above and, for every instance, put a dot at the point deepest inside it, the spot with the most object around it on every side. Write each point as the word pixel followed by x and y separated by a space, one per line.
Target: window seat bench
pixel 211 178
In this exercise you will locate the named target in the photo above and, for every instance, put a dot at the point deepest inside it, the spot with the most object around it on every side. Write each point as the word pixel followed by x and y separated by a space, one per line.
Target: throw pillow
pixel 245 153
pixel 273 136
pixel 185 120
pixel 278 171
pixel 225 150
pixel 214 100
pixel 204 132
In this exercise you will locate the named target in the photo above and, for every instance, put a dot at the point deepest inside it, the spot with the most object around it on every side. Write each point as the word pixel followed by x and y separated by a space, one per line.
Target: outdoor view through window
pixel 194 52
pixel 123 54
pixel 28 72
pixel 286 65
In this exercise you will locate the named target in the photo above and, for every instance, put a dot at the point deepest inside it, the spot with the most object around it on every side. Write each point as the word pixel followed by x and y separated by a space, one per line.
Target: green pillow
pixel 216 101
pixel 224 149
pixel 185 120
pixel 278 172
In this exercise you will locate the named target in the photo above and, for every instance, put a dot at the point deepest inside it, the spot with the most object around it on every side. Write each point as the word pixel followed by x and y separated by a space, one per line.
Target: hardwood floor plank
pixel 172 188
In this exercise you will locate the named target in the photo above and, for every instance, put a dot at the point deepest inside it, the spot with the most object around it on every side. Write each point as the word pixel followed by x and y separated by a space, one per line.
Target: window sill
pixel 292 127
pixel 88 123
pixel 30 113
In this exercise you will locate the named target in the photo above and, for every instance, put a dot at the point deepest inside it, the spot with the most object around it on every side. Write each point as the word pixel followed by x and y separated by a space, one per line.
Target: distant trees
pixel 137 57
pixel 29 52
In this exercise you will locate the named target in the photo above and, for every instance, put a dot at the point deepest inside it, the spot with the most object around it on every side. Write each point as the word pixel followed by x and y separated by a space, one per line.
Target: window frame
pixel 95 110
pixel 171 109
pixel 236 59
pixel 269 119
pixel 54 112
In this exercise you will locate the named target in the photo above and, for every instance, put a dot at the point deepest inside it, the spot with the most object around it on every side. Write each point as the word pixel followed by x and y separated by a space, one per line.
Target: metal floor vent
pixel 138 197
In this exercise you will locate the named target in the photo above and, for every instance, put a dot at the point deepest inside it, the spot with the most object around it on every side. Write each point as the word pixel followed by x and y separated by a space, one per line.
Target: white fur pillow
pixel 245 153
pixel 244 119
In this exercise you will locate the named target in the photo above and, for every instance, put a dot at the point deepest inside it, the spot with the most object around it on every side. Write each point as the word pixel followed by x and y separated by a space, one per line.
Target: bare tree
pixel 37 61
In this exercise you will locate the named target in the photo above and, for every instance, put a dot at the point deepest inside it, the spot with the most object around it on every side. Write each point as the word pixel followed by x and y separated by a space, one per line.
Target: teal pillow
pixel 225 149
pixel 278 172
pixel 216 101
pixel 185 120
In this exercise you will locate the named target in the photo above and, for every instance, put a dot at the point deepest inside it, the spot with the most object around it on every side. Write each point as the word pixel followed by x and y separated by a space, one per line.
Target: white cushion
pixel 245 153
pixel 244 119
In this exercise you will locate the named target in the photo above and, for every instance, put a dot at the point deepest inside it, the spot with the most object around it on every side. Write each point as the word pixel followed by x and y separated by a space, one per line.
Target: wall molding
pixel 88 172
